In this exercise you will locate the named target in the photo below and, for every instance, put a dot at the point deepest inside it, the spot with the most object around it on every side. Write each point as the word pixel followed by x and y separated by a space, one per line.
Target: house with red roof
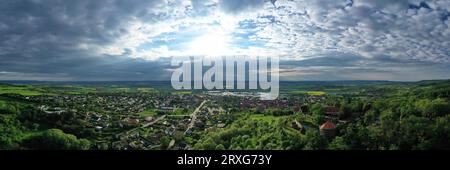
pixel 328 129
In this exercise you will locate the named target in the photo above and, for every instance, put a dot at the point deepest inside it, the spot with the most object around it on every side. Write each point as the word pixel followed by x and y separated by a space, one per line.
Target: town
pixel 132 119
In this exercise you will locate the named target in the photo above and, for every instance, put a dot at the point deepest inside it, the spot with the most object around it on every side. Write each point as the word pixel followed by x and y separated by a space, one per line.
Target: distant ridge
pixel 163 82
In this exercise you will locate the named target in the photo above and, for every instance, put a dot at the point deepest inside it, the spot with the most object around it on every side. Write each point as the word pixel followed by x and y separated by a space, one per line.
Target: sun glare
pixel 210 44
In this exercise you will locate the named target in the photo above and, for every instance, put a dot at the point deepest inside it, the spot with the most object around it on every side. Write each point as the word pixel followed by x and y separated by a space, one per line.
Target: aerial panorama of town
pixel 245 79
pixel 375 115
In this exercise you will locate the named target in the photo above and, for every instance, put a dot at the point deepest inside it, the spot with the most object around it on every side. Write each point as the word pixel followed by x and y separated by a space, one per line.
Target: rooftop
pixel 328 125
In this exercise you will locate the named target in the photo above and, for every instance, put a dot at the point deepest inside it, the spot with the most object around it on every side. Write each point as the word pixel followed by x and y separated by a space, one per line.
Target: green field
pixel 121 90
pixel 312 93
pixel 178 111
pixel 148 112
pixel 145 90
pixel 70 89
pixel 22 90
pixel 35 90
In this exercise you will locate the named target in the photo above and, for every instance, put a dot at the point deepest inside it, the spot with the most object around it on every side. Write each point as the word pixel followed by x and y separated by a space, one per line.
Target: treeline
pixel 24 127
pixel 406 123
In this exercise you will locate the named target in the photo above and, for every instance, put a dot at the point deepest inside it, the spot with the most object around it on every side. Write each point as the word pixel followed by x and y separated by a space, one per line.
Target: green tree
pixel 345 111
pixel 319 119
pixel 220 147
pixel 164 142
pixel 55 139
pixel 317 109
pixel 314 140
pixel 338 143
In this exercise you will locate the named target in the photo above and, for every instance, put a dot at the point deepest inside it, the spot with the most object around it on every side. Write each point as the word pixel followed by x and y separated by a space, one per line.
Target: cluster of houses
pixel 169 102
pixel 148 130
pixel 150 137
pixel 296 105
pixel 116 114
pixel 108 103
pixel 147 133
pixel 251 102
pixel 133 131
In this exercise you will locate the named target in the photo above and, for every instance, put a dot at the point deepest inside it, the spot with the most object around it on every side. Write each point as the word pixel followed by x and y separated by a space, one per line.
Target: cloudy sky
pixel 134 39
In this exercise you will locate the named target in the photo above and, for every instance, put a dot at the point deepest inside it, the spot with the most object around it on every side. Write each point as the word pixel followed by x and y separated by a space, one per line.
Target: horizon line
pixel 235 81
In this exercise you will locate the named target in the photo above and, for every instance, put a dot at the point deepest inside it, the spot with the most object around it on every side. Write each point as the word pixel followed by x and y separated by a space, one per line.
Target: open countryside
pixel 307 116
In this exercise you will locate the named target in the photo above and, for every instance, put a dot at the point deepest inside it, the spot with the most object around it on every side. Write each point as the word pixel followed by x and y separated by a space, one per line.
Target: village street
pixel 194 116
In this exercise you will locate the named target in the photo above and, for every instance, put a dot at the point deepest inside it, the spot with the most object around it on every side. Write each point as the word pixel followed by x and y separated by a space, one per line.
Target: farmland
pixel 21 90
pixel 312 93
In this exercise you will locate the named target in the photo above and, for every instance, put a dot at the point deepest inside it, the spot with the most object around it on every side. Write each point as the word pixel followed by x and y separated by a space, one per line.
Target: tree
pixel 56 139
pixel 338 144
pixel 208 144
pixel 164 142
pixel 220 147
pixel 317 109
pixel 83 144
pixel 314 140
pixel 8 109
pixel 318 119
pixel 433 108
pixel 345 111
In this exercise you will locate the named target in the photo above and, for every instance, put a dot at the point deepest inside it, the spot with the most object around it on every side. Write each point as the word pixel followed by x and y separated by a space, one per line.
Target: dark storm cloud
pixel 47 37
pixel 343 66
pixel 78 21
pixel 120 68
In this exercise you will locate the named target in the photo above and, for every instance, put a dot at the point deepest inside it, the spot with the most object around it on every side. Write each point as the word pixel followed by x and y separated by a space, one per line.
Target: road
pixel 154 121
pixel 194 116
pixel 143 126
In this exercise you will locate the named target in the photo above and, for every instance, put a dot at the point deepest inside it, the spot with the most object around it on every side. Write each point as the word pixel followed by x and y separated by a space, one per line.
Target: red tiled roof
pixel 328 125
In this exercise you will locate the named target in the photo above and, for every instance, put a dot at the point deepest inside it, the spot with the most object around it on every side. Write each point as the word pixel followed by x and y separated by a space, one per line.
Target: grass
pixel 22 90
pixel 148 112
pixel 178 111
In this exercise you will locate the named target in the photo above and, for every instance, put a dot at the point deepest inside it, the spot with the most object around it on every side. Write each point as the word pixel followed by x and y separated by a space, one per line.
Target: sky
pixel 124 40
